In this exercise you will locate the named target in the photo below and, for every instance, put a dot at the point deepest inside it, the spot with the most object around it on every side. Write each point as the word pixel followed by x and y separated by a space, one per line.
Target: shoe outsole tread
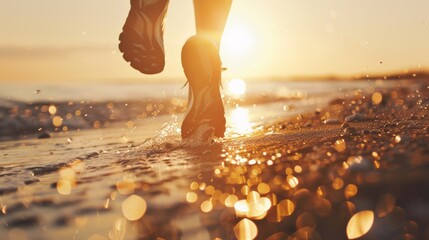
pixel 141 40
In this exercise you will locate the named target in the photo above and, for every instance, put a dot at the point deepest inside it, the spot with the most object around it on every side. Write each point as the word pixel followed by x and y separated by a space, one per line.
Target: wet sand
pixel 355 169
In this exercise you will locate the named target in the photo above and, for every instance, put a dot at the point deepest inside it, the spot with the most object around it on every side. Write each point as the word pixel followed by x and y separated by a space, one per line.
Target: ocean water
pixel 34 92
pixel 29 110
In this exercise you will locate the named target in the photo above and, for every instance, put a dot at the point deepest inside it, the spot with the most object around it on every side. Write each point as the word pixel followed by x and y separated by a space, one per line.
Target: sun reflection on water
pixel 239 122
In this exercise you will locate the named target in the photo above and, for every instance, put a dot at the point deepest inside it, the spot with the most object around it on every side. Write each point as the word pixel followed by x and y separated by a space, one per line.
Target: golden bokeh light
pixel 263 188
pixel 340 145
pixel 245 190
pixel 206 206
pixel 241 208
pixel 134 207
pixel 245 230
pixel 194 186
pixel 293 181
pixel 397 139
pixel 64 187
pixel 253 197
pixel 107 203
pixel 126 186
pixel 231 200
pixel 377 98
pixel 350 191
pixel 297 169
pixel 253 206
pixel 360 224
pixel 67 173
pixel 57 121
pixel 338 183
pixel 67 178
pixel 77 165
pixel 191 197
pixel 285 208
pixel 258 209
pixel 52 110
pixel 202 186
pixel 209 190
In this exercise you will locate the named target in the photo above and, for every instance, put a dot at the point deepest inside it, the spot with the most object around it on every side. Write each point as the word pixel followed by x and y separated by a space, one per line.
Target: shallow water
pixel 35 110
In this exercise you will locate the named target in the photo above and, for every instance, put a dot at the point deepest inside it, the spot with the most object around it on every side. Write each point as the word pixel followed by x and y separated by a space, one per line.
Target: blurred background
pixel 57 42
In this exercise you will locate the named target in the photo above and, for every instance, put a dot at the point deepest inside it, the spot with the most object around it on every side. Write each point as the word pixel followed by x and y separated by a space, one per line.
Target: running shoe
pixel 141 40
pixel 202 66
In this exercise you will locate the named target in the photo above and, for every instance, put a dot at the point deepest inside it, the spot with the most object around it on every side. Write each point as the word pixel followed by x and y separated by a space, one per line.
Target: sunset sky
pixel 62 41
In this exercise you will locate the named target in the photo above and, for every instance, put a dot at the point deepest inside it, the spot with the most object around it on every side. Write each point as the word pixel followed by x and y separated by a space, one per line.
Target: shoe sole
pixel 143 48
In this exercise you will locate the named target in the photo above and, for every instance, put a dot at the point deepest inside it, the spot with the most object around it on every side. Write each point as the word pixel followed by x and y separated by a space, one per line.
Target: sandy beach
pixel 349 165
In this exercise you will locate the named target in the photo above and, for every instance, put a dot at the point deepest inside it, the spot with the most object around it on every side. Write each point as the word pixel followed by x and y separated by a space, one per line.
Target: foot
pixel 141 40
pixel 202 66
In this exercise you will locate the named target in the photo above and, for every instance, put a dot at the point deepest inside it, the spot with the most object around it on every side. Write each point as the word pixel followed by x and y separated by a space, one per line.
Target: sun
pixel 238 39
pixel 236 87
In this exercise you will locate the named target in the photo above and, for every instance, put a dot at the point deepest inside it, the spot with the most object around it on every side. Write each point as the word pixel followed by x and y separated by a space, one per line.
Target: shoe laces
pixel 221 85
